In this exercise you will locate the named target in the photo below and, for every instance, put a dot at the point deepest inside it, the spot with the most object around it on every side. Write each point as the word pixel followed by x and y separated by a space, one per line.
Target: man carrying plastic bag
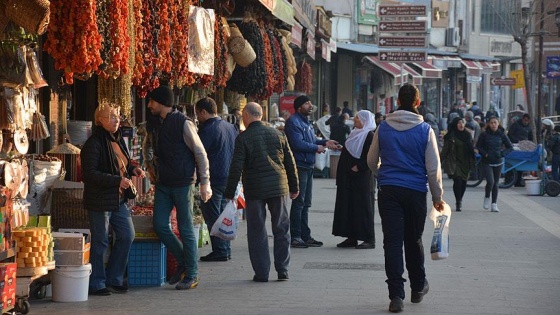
pixel 263 156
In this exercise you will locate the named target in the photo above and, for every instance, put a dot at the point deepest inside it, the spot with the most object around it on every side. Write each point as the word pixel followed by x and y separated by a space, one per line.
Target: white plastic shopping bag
pixel 440 241
pixel 226 225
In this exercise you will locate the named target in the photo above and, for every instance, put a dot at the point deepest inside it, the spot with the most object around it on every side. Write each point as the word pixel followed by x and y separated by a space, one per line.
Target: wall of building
pixel 345 80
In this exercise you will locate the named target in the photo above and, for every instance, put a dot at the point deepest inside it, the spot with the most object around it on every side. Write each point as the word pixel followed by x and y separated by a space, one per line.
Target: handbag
pixel 131 192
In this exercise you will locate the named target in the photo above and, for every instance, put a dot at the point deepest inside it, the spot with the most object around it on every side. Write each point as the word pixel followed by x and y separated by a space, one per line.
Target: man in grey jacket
pixel 263 156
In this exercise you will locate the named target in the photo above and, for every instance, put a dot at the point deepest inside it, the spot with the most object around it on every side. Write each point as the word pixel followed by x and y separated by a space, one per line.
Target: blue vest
pixel 403 157
pixel 175 161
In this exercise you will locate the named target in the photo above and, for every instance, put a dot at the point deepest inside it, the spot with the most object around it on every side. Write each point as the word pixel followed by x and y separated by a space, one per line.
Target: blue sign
pixel 553 67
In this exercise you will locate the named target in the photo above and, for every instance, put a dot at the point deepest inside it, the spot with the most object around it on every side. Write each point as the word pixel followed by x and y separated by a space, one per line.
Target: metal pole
pixel 539 77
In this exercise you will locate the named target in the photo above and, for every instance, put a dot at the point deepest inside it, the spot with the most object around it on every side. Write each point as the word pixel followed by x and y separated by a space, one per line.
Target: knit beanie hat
pixel 162 95
pixel 300 100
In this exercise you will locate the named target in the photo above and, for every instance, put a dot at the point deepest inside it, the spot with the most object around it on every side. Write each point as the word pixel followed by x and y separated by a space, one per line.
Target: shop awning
pixel 416 77
pixel 486 67
pixel 473 69
pixel 428 70
pixel 496 66
pixel 391 68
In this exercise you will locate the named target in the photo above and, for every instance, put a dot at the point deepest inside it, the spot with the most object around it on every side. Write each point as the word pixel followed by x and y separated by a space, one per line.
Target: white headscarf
pixel 355 142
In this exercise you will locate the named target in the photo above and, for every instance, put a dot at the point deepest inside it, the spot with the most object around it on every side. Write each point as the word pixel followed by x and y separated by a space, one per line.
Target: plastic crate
pixel 147 264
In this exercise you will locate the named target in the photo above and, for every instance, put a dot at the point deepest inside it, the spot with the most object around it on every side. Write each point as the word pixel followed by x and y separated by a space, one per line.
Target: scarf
pixel 357 138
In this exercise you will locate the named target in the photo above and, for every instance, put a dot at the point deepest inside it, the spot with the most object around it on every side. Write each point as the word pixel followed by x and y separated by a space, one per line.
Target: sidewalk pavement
pixel 500 263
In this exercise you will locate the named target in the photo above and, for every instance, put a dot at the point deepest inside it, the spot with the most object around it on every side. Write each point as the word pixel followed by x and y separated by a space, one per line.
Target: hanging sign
pixel 311 44
pixel 297 34
pixel 325 50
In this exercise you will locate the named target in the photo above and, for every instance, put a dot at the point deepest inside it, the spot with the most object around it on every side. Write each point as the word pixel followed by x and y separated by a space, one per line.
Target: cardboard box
pixel 71 257
pixel 72 240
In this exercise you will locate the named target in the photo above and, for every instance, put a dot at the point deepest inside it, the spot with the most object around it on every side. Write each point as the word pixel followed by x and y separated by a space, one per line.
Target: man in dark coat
pixel 521 130
pixel 339 130
pixel 262 155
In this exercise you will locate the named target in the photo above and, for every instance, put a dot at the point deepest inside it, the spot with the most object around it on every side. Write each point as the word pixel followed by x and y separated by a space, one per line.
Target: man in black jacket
pixel 520 130
pixel 263 156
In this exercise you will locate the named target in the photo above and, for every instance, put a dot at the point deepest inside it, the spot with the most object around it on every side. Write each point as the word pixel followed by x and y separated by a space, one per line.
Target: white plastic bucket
pixel 533 187
pixel 70 283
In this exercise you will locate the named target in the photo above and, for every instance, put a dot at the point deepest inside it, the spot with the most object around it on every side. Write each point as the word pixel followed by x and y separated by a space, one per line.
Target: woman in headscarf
pixel 354 212
pixel 106 170
pixel 457 157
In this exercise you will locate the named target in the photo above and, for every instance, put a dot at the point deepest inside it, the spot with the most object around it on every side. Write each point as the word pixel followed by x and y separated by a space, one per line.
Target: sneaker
pixel 313 243
pixel 100 292
pixel 486 204
pixel 177 276
pixel 283 276
pixel 214 257
pixel 298 243
pixel 187 283
pixel 495 208
pixel 396 305
pixel 117 288
pixel 416 297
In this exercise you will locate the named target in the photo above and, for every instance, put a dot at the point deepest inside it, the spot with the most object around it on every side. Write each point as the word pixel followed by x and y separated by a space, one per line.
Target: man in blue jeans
pixel 218 138
pixel 301 136
pixel 178 154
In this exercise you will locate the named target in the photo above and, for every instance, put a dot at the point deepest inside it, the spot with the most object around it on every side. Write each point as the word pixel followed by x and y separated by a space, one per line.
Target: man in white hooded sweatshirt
pixel 405 157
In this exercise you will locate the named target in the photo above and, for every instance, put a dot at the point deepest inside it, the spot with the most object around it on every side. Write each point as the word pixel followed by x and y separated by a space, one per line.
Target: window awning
pixel 416 77
pixel 473 69
pixel 486 66
pixel 428 70
pixel 391 68
pixel 496 66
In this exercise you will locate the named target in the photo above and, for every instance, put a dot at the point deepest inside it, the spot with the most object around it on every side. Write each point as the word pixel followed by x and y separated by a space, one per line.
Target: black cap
pixel 300 100
pixel 163 95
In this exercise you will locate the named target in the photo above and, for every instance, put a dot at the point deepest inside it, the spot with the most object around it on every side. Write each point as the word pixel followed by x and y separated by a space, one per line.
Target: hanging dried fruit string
pixel 178 46
pixel 119 39
pixel 220 54
pixel 163 56
pixel 268 64
pixel 144 77
pixel 304 78
pixel 103 28
pixel 73 39
pixel 185 76
pixel 280 65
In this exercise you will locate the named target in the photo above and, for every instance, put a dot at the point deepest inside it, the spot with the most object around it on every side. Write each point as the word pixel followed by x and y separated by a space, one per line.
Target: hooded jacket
pixel 404 153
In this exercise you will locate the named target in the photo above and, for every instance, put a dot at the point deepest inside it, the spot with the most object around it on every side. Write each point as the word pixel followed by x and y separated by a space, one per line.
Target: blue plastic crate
pixel 147 264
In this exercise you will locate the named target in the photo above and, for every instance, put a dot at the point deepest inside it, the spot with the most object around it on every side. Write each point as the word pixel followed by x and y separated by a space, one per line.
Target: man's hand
pixel 321 149
pixel 332 144
pixel 205 192
pixel 439 205
pixel 293 195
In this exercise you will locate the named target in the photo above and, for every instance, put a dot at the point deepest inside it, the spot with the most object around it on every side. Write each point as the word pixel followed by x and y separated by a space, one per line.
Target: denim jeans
pixel 402 220
pixel 123 235
pixel 185 250
pixel 299 212
pixel 211 210
pixel 257 236
pixel 555 165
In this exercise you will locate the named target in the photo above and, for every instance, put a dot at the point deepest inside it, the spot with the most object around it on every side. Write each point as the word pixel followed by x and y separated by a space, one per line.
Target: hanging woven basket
pixel 32 15
pixel 240 49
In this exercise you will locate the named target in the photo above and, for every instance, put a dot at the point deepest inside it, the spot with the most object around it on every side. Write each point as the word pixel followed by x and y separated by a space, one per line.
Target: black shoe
pixel 347 243
pixel 458 206
pixel 214 257
pixel 283 276
pixel 366 245
pixel 313 243
pixel 177 276
pixel 298 243
pixel 257 279
pixel 100 292
pixel 416 297
pixel 519 185
pixel 117 288
pixel 396 305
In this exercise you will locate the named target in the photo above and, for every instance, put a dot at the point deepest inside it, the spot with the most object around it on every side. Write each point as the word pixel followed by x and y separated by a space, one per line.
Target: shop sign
pixel 553 67
pixel 311 44
pixel 499 47
pixel 474 79
pixel 297 34
pixel 367 12
pixel 324 24
pixel 519 79
pixel 325 50
pixel 287 103
pixel 402 10
pixel 502 81
pixel 332 45
pixel 305 13
pixel 402 56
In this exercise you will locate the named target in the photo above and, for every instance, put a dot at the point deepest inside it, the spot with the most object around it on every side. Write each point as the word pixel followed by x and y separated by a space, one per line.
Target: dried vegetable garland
pixel 220 54
pixel 304 78
pixel 268 64
pixel 280 64
pixel 73 39
pixel 144 77
pixel 250 80
pixel 163 60
pixel 179 53
pixel 117 38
